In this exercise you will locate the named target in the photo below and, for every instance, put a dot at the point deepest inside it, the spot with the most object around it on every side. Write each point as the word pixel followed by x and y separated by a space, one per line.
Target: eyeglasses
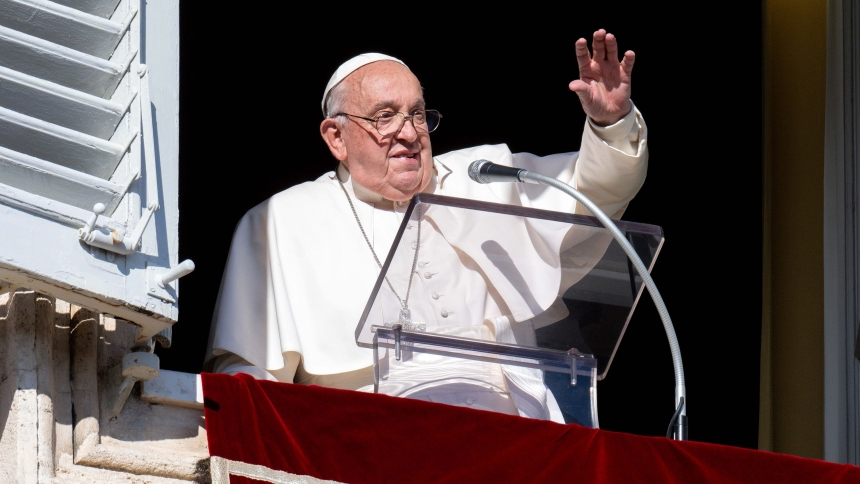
pixel 388 123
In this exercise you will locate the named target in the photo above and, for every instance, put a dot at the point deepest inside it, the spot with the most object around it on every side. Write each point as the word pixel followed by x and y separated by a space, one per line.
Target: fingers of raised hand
pixel 583 58
pixel 598 44
pixel 627 63
pixel 611 48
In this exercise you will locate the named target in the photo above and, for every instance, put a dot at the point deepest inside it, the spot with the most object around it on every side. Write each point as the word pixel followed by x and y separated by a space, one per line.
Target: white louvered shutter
pixel 89 107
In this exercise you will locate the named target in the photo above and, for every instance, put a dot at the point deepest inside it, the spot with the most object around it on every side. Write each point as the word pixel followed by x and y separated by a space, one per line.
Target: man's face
pixel 396 166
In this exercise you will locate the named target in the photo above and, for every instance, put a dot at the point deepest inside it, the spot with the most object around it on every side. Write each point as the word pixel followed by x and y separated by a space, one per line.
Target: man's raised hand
pixel 603 86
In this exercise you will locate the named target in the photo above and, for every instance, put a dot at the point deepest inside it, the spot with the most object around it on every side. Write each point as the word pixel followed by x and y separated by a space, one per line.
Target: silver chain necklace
pixel 405 314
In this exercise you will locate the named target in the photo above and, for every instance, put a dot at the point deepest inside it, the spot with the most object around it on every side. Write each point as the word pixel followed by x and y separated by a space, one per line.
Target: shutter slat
pixel 100 8
pixel 59 105
pixel 57 182
pixel 64 26
pixel 59 145
pixel 25 202
pixel 64 66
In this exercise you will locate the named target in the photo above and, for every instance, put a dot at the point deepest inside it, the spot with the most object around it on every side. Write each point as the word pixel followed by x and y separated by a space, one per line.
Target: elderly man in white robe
pixel 302 264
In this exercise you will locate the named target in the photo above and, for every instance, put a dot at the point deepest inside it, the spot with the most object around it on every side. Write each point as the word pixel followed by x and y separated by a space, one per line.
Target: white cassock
pixel 299 273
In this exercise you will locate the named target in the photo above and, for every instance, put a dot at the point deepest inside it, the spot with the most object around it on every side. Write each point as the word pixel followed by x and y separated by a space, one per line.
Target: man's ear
pixel 332 134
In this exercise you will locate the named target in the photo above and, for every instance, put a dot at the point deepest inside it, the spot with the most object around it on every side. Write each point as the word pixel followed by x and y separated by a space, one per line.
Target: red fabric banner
pixel 356 437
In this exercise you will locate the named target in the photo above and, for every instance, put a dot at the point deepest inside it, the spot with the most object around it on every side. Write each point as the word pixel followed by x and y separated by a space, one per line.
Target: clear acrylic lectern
pixel 503 308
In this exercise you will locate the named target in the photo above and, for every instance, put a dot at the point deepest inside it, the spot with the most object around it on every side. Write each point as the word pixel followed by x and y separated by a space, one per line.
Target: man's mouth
pixel 405 156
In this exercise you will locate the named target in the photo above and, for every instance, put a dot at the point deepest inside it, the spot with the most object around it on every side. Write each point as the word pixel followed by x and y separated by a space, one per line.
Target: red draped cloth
pixel 355 437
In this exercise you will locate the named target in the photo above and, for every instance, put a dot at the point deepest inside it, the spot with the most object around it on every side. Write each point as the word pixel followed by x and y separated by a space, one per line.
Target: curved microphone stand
pixel 483 171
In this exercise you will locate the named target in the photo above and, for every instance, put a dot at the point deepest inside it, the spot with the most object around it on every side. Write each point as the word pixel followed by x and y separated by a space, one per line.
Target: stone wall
pixel 60 378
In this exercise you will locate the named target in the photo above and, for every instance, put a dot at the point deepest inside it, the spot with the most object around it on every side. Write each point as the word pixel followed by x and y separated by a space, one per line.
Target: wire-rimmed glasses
pixel 388 123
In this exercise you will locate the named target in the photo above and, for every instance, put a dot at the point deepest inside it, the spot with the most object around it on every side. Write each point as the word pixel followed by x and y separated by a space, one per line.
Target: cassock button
pixel 422 264
pixel 428 275
pixel 414 245
pixel 470 401
pixel 434 295
pixel 445 314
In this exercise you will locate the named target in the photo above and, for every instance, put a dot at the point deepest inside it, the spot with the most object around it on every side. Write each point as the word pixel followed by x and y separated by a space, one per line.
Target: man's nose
pixel 407 131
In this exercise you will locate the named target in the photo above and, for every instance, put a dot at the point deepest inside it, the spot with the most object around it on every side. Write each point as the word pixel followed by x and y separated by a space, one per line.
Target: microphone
pixel 483 171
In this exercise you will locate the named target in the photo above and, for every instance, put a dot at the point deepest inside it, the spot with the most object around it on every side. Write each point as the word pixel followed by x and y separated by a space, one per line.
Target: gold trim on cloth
pixel 221 469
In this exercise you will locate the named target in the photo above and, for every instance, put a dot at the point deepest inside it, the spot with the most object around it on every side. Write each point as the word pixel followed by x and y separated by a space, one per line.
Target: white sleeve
pixel 609 168
pixel 231 364
pixel 623 135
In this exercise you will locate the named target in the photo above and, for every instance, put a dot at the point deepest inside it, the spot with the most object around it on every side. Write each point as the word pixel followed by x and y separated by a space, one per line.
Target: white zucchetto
pixel 351 66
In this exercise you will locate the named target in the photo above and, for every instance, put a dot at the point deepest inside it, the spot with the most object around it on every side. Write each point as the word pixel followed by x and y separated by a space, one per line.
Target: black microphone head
pixel 475 171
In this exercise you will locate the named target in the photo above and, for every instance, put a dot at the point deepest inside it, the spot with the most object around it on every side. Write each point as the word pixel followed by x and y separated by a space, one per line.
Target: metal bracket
pixel 164 337
pixel 158 280
pixel 114 242
pixel 574 364
pixel 375 362
pixel 397 332
pixel 137 366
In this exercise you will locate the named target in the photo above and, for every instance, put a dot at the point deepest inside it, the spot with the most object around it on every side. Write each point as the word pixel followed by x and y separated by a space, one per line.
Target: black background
pixel 249 128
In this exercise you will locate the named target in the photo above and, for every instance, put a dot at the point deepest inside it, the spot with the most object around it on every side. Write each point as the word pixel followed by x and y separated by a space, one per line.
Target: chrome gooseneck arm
pixel 483 171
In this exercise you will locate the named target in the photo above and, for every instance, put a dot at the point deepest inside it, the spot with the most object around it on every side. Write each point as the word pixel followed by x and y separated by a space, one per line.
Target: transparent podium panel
pixel 502 308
